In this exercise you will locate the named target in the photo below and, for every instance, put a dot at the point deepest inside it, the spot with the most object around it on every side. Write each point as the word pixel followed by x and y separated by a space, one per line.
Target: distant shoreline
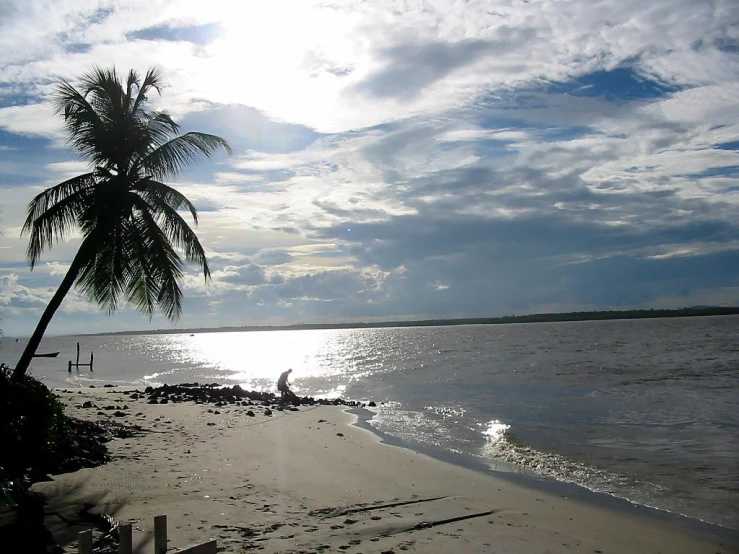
pixel 532 318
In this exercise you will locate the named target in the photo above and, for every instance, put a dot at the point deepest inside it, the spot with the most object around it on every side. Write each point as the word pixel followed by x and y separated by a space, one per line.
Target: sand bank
pixel 309 481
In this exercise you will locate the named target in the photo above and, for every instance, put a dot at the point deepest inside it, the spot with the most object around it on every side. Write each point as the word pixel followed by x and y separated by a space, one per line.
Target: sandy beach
pixel 309 480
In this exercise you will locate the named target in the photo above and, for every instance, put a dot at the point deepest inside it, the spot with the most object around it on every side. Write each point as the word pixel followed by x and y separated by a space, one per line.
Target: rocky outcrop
pixel 220 396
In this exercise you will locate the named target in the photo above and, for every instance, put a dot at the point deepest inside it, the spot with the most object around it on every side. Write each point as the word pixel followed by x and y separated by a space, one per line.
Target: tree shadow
pixel 70 507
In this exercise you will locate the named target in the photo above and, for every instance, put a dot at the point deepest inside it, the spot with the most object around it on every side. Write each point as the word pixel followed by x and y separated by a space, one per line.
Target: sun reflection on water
pixel 256 358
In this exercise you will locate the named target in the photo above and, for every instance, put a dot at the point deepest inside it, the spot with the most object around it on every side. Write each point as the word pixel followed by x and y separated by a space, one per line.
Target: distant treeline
pixel 531 318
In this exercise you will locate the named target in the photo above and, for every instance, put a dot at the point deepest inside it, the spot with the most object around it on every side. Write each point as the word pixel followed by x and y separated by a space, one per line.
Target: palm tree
pixel 128 218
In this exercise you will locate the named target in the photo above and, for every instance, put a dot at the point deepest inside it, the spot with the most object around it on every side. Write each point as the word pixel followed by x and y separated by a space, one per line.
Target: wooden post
pixel 125 539
pixel 77 363
pixel 160 534
pixel 84 542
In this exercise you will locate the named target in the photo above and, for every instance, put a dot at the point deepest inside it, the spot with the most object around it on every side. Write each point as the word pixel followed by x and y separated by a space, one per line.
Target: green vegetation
pixel 33 427
pixel 129 220
pixel 38 440
pixel 532 318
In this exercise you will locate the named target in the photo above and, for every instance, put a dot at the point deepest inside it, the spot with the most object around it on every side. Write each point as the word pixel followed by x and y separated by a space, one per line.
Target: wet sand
pixel 310 481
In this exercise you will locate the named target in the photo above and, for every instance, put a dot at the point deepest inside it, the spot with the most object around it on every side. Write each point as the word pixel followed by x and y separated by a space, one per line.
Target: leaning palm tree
pixel 128 218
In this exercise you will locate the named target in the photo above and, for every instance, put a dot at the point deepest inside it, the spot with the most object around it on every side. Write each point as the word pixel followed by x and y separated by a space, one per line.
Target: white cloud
pixel 449 154
pixel 32 119
pixel 61 171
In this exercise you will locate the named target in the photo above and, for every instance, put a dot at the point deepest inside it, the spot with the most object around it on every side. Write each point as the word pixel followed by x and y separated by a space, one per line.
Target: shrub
pixel 32 423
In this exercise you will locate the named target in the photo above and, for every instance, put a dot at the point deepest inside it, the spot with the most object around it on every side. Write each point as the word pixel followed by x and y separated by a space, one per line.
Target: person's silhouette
pixel 283 386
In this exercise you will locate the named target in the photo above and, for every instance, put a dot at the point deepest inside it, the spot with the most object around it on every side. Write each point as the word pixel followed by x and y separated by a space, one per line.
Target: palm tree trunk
pixel 22 366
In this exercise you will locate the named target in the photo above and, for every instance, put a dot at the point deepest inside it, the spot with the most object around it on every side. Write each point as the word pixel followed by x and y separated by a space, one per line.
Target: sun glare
pixel 289 59
pixel 257 358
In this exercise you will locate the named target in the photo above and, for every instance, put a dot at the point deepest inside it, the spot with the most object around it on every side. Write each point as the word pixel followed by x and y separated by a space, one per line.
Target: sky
pixel 402 159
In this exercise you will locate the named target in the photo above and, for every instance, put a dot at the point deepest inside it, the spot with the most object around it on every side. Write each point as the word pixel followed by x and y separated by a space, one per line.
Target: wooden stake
pixel 160 534
pixel 84 542
pixel 125 538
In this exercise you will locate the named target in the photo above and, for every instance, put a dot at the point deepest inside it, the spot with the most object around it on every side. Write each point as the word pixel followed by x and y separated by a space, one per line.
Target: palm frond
pixel 177 231
pixel 160 128
pixel 132 81
pixel 153 79
pixel 47 198
pixel 53 213
pixel 172 156
pixel 157 193
pixel 153 129
pixel 164 264
pixel 143 286
pixel 103 88
pixel 83 123
pixel 103 279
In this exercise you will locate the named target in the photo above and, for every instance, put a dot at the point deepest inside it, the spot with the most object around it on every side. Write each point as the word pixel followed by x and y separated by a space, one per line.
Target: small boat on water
pixel 47 355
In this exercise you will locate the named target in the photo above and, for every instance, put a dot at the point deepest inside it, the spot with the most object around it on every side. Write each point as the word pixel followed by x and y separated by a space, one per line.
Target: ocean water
pixel 645 410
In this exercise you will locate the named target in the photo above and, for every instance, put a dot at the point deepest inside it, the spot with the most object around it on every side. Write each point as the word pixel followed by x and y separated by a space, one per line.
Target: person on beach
pixel 283 386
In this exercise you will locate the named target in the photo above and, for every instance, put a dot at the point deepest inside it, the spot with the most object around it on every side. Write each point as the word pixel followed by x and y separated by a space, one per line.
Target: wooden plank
pixel 84 542
pixel 125 538
pixel 160 534
pixel 210 547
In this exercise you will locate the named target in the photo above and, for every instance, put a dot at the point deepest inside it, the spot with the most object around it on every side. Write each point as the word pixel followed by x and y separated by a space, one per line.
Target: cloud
pixel 30 120
pixel 197 34
pixel 410 68
pixel 275 257
pixel 397 160
pixel 251 274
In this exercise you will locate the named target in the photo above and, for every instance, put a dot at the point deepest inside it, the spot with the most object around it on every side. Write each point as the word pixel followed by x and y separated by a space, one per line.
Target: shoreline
pixel 314 480
pixel 530 479
pixel 558 317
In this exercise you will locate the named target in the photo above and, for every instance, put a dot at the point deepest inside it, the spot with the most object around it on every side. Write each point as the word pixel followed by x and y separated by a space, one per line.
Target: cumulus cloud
pixel 410 68
pixel 394 160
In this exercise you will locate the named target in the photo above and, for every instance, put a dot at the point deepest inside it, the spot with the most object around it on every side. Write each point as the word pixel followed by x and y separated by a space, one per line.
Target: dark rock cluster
pixel 221 396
